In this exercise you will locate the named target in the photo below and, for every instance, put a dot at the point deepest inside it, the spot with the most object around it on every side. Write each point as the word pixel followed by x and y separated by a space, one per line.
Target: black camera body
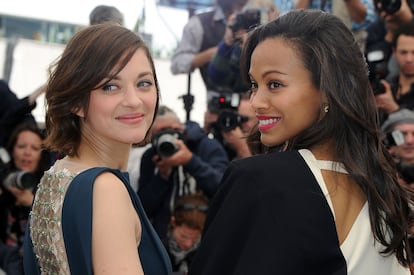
pixel 392 6
pixel 226 106
pixel 406 172
pixel 224 101
pixel 229 120
pixel 394 138
pixel 378 70
pixel 21 180
pixel 164 142
pixel 247 19
pixel 389 6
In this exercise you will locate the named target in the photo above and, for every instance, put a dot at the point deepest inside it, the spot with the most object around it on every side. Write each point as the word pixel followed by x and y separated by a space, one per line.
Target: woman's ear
pixel 79 112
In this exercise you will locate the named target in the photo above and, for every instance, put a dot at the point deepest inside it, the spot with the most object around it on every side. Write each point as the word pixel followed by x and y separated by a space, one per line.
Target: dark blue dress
pixel 77 229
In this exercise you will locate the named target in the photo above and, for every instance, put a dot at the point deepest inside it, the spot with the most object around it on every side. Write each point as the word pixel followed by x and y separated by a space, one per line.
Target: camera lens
pixel 389 6
pixel 406 172
pixel 166 148
pixel 21 180
pixel 164 142
pixel 229 120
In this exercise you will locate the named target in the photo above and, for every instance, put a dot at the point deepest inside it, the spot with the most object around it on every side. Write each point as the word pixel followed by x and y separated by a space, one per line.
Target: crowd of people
pixel 304 163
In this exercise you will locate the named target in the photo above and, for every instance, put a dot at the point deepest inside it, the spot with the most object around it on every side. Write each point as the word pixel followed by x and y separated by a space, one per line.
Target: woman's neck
pixel 323 151
pixel 107 156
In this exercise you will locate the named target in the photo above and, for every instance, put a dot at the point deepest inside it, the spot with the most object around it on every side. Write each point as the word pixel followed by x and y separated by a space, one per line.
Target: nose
pixel 258 100
pixel 187 244
pixel 409 138
pixel 27 151
pixel 131 97
pixel 410 57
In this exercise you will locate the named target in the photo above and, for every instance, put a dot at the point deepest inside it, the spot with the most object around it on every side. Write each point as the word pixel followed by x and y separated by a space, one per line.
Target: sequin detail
pixel 46 227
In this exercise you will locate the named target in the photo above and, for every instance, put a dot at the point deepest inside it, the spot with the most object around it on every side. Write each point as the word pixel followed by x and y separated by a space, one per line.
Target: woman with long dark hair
pixel 329 202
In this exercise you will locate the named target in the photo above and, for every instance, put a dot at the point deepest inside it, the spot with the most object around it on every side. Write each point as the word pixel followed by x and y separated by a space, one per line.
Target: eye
pixel 253 87
pixel 145 83
pixel 274 85
pixel 109 87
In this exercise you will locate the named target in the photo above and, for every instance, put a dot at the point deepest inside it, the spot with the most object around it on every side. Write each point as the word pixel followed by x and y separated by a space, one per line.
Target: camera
pixel 21 180
pixel 378 70
pixel 247 19
pixel 226 105
pixel 229 120
pixel 164 142
pixel 394 138
pixel 406 172
pixel 224 101
pixel 4 156
pixel 389 6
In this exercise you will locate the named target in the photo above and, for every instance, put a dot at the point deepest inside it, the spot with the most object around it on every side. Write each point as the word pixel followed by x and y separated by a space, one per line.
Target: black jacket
pixel 269 217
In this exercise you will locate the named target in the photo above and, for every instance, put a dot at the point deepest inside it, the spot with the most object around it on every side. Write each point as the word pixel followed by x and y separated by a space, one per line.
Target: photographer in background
pixel 224 68
pixel 397 91
pixel 380 33
pixel 226 120
pixel 184 231
pixel 232 120
pixel 200 37
pixel 182 160
pixel 19 178
pixel 14 110
pixel 398 132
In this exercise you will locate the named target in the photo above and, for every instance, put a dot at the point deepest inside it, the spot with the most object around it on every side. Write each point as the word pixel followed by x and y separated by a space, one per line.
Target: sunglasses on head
pixel 189 207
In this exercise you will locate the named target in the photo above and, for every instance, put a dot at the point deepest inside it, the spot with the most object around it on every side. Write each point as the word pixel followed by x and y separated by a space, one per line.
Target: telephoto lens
pixel 21 180
pixel 166 145
pixel 164 142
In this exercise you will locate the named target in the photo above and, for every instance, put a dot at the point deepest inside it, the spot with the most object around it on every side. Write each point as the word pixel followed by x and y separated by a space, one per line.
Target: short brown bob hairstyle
pixel 93 54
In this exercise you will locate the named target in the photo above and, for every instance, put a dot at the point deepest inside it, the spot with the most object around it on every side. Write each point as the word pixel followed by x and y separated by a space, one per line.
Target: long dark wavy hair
pixel 338 69
pixel 93 54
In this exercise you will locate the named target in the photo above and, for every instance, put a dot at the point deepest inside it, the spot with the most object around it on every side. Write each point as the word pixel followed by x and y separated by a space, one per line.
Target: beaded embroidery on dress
pixel 46 214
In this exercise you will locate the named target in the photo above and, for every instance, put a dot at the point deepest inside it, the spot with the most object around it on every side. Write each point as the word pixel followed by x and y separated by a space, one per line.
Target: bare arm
pixel 116 229
pixel 203 58
pixel 302 4
pixel 356 10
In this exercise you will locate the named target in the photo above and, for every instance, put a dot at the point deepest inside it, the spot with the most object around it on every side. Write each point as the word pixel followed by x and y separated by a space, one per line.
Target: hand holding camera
pixel 385 101
pixel 239 24
pixel 181 156
pixel 237 141
pixel 24 197
pixel 247 20
pixel 21 185
pixel 171 151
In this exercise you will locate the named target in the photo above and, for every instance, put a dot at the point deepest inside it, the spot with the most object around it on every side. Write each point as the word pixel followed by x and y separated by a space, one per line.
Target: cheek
pixel 37 155
pixel 16 153
pixel 150 101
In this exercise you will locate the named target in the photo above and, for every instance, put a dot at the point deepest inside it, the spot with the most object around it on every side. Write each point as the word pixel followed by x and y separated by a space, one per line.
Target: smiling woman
pixel 327 201
pixel 102 96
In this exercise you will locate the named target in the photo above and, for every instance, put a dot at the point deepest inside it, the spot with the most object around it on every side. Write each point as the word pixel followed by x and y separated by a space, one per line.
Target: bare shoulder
pixel 110 193
pixel 115 225
pixel 109 182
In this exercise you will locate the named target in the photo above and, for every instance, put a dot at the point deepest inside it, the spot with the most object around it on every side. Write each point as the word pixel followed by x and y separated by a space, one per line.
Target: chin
pixel 268 143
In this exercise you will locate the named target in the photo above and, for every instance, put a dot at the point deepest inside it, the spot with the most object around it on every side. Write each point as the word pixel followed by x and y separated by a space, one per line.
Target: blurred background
pixel 34 33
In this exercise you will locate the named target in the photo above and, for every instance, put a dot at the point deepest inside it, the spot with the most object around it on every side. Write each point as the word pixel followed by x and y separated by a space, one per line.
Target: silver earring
pixel 326 108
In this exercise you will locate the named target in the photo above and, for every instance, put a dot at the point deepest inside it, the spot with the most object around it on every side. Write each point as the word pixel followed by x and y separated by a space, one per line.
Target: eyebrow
pixel 142 74
pixel 270 72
